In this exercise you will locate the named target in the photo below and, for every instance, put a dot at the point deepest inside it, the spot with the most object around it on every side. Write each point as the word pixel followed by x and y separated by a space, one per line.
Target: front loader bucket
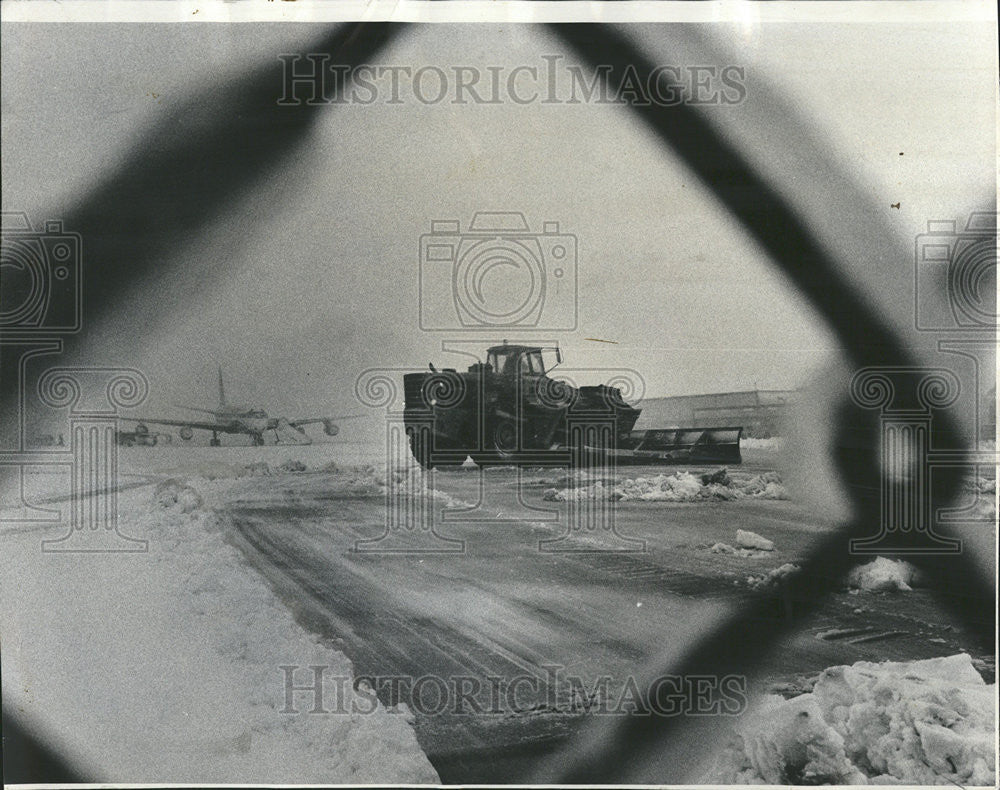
pixel 683 445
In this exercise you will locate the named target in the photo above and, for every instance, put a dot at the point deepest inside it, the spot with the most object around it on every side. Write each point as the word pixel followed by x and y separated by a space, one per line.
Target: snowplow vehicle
pixel 508 410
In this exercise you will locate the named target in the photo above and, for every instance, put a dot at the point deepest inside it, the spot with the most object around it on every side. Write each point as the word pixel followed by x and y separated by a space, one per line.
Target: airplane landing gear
pixel 257 439
pixel 214 441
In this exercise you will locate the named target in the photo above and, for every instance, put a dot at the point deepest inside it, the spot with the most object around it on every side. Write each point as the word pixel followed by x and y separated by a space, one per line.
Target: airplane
pixel 229 418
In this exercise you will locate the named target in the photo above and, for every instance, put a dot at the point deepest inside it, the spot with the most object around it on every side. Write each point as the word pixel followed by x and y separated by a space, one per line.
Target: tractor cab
pixel 511 361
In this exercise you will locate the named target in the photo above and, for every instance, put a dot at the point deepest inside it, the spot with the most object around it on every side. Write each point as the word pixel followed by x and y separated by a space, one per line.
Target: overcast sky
pixel 321 266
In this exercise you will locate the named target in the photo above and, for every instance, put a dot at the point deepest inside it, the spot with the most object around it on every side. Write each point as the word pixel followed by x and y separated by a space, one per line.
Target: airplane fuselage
pixel 247 423
pixel 248 420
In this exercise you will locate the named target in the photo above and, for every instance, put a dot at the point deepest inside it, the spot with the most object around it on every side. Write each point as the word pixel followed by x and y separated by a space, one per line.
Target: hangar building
pixel 760 412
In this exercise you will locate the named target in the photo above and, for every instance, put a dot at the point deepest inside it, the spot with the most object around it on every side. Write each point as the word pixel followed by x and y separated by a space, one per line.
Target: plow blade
pixel 682 445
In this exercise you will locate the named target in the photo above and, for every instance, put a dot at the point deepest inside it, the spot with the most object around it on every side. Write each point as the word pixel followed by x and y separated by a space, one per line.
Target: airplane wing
pixel 205 426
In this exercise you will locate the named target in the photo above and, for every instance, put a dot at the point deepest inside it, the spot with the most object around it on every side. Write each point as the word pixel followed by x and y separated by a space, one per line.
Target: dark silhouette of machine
pixel 508 410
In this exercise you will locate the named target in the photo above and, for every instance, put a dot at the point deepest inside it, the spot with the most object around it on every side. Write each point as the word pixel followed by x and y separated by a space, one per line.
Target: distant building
pixel 760 412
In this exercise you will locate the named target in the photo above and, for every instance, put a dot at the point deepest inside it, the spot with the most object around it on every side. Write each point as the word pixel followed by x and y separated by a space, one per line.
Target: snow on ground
pixel 772 577
pixel 751 540
pixel 358 481
pixel 984 507
pixel 748 544
pixel 678 487
pixel 166 665
pixel 725 548
pixel 920 722
pixel 883 574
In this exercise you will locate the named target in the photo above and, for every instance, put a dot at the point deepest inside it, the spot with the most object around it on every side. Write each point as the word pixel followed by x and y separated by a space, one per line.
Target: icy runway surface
pixel 499 588
pixel 264 558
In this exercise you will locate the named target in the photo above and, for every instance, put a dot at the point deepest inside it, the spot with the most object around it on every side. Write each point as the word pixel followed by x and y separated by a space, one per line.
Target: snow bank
pixel 679 487
pixel 920 722
pixel 165 666
pixel 881 575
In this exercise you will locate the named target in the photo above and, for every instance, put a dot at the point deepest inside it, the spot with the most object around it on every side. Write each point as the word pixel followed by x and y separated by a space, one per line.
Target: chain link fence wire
pixel 223 142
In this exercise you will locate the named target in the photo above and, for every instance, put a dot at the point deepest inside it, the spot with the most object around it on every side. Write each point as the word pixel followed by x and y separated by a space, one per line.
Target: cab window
pixel 498 361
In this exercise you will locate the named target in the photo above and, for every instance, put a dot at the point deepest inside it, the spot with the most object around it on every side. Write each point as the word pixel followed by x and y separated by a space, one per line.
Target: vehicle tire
pixel 502 443
pixel 421 450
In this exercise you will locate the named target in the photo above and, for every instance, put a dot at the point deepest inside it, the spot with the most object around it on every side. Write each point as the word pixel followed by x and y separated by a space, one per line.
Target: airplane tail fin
pixel 222 390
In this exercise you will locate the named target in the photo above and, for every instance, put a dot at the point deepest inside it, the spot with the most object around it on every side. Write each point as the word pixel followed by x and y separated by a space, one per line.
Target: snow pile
pixel 679 487
pixel 177 496
pixel 772 577
pixel 682 487
pixel 921 722
pixel 166 666
pixel 725 548
pixel 720 477
pixel 882 575
pixel 765 486
pixel 748 544
pixel 751 540
pixel 413 484
pixel 365 482
pixel 985 507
